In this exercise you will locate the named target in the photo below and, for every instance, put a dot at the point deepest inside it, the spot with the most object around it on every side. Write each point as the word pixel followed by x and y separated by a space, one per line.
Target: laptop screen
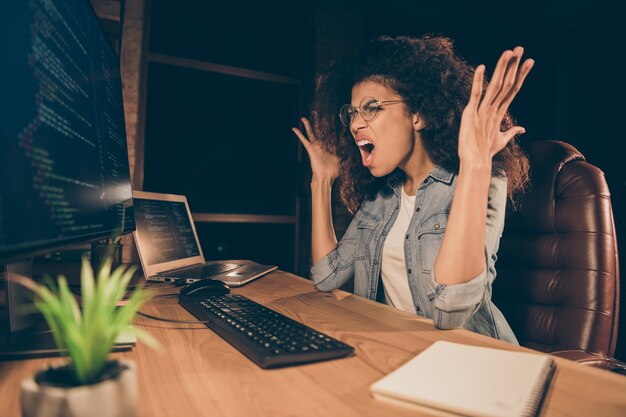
pixel 165 230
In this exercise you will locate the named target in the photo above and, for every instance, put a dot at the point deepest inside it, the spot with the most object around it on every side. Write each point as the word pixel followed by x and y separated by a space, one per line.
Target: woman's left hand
pixel 480 137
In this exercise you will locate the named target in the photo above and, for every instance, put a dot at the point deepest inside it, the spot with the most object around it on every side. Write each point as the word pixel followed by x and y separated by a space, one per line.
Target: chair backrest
pixel 558 276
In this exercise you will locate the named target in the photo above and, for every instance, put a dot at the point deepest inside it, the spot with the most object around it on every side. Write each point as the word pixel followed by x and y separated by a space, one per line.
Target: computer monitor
pixel 64 161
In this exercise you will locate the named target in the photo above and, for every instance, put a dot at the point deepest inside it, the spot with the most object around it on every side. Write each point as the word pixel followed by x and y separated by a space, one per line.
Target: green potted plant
pixel 89 383
pixel 110 248
pixel 107 249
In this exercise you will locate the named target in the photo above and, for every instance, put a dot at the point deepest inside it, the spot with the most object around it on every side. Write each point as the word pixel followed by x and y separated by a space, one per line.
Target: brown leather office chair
pixel 558 276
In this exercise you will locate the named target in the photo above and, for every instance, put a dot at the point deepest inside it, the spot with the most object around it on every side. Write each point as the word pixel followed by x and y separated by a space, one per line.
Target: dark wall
pixel 223 88
pixel 574 93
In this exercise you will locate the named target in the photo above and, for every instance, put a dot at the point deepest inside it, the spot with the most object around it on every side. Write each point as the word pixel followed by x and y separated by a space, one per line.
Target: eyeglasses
pixel 368 109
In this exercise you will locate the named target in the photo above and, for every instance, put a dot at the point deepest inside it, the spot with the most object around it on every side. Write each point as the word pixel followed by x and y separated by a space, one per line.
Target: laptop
pixel 169 249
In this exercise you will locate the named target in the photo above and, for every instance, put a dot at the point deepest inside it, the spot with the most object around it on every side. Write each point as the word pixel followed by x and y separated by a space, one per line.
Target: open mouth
pixel 367 151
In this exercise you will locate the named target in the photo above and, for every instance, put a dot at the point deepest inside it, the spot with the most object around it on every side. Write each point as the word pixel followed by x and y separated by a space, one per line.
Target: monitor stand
pixel 24 334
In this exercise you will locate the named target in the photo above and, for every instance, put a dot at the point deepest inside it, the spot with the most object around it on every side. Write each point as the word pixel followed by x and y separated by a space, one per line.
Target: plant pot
pixel 114 396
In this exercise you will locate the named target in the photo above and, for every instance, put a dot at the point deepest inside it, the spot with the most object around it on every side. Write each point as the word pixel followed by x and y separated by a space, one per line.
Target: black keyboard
pixel 202 271
pixel 268 338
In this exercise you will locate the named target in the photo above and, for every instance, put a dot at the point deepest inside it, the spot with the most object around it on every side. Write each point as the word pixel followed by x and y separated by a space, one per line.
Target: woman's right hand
pixel 324 165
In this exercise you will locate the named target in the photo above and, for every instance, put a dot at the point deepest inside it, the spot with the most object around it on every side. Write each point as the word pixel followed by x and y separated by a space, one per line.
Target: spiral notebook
pixel 451 379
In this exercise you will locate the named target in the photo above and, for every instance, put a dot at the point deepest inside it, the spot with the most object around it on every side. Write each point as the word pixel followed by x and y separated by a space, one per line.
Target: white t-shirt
pixel 393 267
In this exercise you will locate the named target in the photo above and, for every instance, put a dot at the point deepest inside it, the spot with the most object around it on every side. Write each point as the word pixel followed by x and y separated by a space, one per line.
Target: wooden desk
pixel 196 373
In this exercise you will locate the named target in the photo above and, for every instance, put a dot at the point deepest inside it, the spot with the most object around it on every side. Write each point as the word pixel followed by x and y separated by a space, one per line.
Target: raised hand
pixel 325 166
pixel 480 137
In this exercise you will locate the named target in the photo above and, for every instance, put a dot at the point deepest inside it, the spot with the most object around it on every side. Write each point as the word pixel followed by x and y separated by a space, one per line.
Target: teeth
pixel 368 158
pixel 363 143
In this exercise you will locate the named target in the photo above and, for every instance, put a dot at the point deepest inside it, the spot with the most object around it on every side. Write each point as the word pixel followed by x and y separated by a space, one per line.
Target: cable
pixel 76 289
pixel 150 316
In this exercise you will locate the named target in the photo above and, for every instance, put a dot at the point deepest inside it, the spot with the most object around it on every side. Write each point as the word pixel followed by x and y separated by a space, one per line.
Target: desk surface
pixel 196 373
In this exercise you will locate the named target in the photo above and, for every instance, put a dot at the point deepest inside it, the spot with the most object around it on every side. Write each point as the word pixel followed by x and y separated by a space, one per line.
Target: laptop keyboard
pixel 203 271
pixel 268 338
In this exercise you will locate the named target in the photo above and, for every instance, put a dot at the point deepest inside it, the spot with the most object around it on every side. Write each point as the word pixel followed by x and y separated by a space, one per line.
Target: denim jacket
pixel 359 254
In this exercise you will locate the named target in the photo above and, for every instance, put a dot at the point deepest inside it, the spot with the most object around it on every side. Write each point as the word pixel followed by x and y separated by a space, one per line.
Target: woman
pixel 425 156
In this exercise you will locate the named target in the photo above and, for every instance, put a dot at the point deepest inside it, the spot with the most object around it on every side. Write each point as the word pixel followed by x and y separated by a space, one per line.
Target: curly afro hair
pixel 434 82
